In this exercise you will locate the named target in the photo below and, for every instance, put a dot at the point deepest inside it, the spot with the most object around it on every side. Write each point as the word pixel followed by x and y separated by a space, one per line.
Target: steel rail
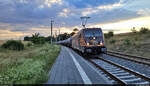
pixel 109 74
pixel 130 59
pixel 112 76
pixel 128 55
pixel 126 69
pixel 100 68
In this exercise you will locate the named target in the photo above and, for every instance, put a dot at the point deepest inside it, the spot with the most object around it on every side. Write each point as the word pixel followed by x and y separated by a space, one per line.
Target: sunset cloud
pixel 24 17
pixel 50 2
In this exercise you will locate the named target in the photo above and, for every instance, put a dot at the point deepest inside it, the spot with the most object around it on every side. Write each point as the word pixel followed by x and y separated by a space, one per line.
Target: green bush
pixel 37 39
pixel 29 44
pixel 109 34
pixel 143 30
pixel 13 45
pixel 127 42
pixel 42 40
pixel 105 35
pixel 112 41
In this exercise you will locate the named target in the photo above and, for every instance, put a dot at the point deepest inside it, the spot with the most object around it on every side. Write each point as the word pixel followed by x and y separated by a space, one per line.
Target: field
pixel 130 43
pixel 30 66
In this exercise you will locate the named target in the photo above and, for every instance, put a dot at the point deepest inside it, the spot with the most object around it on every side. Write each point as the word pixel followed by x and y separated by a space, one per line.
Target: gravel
pixel 144 69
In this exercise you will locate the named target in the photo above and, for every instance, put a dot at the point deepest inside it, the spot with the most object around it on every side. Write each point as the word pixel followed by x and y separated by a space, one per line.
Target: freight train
pixel 88 40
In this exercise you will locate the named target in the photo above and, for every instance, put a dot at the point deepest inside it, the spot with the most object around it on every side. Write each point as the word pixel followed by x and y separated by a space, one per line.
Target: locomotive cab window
pixel 92 33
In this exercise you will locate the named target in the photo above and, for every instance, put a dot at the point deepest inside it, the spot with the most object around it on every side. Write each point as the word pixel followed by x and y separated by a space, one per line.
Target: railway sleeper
pixel 132 80
pixel 110 70
pixel 122 74
pixel 110 67
pixel 116 72
pixel 136 81
pixel 143 82
pixel 129 76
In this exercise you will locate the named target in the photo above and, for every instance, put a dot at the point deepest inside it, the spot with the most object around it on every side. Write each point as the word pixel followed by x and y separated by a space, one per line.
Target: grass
pixel 30 66
pixel 131 43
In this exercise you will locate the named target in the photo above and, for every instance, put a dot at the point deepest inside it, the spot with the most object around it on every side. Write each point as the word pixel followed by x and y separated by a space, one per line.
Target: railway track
pixel 119 73
pixel 138 59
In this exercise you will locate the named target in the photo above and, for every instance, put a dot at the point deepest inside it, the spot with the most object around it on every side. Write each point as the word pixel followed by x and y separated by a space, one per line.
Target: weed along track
pixel 120 74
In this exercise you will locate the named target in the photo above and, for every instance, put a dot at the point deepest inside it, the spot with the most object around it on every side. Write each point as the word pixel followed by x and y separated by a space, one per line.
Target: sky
pixel 19 18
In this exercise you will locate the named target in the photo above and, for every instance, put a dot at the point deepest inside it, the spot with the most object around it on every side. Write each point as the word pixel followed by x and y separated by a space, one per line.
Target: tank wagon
pixel 67 42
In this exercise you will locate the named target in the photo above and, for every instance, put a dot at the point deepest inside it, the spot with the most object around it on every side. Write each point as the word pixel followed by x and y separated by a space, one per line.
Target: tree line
pixel 36 38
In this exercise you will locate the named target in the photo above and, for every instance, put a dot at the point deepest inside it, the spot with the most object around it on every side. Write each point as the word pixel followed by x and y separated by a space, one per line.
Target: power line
pixel 84 20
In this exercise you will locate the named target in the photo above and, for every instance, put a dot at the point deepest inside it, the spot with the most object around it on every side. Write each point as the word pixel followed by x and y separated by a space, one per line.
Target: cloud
pixel 50 2
pixel 90 3
pixel 144 12
pixel 110 6
pixel 7 34
pixel 24 15
pixel 65 12
pixel 89 11
pixel 39 11
pixel 29 11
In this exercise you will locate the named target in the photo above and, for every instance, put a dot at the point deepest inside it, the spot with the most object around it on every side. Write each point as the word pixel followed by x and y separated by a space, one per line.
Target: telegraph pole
pixel 56 35
pixel 51 31
pixel 59 35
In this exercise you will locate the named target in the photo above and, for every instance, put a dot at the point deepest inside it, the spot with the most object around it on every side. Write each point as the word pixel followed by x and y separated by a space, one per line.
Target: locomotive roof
pixel 91 28
pixel 85 30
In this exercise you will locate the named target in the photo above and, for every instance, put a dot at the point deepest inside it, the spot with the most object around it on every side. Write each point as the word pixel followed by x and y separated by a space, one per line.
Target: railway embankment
pixel 29 66
pixel 130 43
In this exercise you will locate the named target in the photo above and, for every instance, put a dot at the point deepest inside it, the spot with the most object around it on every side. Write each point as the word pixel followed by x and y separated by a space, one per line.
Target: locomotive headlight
pixel 88 43
pixel 101 43
pixel 93 37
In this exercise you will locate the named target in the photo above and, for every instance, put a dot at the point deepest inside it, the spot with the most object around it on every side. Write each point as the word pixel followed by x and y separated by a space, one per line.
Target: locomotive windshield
pixel 92 33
